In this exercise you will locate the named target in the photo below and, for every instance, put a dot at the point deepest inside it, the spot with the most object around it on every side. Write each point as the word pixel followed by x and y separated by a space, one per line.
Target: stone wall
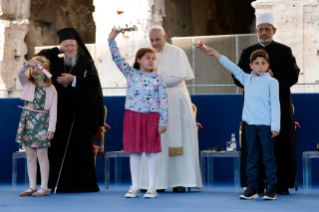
pixel 49 16
pixel 30 23
pixel 207 17
pixel 297 27
pixel 14 26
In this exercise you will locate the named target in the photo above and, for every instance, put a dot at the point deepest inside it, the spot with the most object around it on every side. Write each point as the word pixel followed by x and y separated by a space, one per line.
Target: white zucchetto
pixel 265 19
pixel 157 27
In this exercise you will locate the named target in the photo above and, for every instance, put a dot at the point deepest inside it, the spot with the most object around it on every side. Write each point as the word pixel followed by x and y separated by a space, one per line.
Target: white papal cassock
pixel 178 163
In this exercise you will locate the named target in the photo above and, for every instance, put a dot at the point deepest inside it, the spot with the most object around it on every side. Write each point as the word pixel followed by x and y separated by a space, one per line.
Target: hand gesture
pixel 31 63
pixel 274 133
pixel 50 135
pixel 65 78
pixel 271 73
pixel 113 34
pixel 161 129
pixel 212 52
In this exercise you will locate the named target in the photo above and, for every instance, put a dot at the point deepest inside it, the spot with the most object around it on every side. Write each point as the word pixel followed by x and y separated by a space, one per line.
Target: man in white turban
pixel 179 160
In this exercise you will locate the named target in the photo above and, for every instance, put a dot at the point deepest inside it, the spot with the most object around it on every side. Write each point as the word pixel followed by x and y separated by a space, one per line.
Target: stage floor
pixel 222 199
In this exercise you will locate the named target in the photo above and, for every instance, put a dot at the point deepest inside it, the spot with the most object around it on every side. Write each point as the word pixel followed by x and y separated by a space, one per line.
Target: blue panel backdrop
pixel 220 116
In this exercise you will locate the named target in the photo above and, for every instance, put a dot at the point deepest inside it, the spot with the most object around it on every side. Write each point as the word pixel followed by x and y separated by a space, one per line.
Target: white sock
pixel 32 166
pixel 135 164
pixel 44 167
pixel 152 169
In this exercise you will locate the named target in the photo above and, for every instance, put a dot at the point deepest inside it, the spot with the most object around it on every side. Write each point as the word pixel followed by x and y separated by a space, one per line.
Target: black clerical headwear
pixel 73 34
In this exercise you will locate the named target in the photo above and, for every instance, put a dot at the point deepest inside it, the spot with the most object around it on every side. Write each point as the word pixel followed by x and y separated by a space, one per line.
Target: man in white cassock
pixel 178 163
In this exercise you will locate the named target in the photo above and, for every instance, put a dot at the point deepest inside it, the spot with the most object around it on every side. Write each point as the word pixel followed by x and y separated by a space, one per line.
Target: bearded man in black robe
pixel 283 68
pixel 80 100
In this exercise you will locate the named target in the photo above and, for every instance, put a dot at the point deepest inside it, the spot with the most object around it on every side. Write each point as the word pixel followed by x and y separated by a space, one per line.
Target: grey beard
pixel 264 41
pixel 70 62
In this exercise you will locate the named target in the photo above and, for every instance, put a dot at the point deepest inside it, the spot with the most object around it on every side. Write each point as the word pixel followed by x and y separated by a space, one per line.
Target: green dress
pixel 34 122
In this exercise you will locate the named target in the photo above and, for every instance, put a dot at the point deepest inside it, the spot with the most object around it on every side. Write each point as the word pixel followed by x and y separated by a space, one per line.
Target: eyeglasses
pixel 72 46
pixel 262 29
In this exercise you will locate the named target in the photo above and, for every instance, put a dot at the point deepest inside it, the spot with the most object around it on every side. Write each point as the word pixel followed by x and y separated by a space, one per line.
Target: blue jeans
pixel 267 145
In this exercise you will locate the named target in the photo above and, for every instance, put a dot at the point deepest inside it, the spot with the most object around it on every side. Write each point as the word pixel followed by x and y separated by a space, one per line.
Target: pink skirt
pixel 140 132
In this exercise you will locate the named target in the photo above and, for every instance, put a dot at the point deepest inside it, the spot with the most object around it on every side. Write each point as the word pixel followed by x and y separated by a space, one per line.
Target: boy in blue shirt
pixel 262 116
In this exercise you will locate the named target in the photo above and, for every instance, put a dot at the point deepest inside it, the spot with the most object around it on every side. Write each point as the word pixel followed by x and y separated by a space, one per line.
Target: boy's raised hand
pixel 212 52
pixel 113 33
pixel 274 133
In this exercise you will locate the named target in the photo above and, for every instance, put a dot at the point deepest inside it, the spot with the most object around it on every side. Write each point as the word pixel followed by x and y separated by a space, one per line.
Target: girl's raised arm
pixel 124 67
pixel 22 69
pixel 21 75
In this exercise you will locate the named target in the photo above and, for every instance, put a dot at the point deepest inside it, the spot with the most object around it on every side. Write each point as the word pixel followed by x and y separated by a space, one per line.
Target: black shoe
pixel 260 190
pixel 270 193
pixel 211 148
pixel 283 191
pixel 250 193
pixel 219 148
pixel 179 189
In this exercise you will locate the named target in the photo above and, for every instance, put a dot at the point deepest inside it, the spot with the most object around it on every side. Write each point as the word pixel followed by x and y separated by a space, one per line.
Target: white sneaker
pixel 132 193
pixel 151 193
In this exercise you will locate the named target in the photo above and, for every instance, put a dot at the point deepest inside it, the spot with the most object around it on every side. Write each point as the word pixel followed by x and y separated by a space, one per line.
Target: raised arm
pixel 241 64
pixel 21 75
pixel 235 70
pixel 124 67
pixel 22 69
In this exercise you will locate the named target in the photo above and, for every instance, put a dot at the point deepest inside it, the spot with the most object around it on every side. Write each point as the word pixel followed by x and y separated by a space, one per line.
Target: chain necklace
pixel 66 84
pixel 65 68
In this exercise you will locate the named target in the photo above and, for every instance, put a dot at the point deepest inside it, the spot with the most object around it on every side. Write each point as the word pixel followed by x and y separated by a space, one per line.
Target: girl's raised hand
pixel 113 34
pixel 212 52
pixel 31 63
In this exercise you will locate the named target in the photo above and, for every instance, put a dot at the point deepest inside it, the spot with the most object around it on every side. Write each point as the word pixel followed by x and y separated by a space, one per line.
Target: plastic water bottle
pixel 233 142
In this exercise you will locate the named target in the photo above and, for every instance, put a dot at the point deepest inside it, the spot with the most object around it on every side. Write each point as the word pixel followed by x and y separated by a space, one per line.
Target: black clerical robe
pixel 86 101
pixel 283 65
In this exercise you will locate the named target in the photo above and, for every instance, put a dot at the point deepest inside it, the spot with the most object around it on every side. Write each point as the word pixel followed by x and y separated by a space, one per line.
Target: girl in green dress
pixel 37 123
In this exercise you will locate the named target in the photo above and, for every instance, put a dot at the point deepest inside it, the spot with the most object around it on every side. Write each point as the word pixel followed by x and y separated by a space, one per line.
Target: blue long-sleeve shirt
pixel 261 106
pixel 146 92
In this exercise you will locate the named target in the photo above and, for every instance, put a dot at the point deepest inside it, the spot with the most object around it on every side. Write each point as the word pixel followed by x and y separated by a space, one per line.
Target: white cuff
pixel 171 81
pixel 74 82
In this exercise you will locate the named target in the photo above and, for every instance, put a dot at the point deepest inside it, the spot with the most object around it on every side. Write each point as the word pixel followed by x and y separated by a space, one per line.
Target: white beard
pixel 70 62
pixel 264 41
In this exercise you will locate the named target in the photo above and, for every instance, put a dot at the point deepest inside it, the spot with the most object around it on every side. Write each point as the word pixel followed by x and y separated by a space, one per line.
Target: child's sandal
pixel 40 194
pixel 27 193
